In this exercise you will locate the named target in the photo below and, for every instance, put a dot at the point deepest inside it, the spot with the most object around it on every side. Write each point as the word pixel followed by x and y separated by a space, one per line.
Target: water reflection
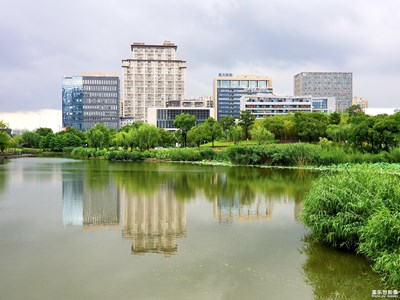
pixel 153 198
pixel 3 176
pixel 334 274
pixel 89 200
pixel 153 222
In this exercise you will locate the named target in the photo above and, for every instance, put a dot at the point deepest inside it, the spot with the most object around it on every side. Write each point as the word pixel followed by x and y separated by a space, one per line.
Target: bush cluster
pixel 125 156
pixel 300 154
pixel 358 209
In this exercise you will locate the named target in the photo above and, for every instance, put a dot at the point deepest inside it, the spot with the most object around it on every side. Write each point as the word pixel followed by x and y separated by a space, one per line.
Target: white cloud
pixel 31 120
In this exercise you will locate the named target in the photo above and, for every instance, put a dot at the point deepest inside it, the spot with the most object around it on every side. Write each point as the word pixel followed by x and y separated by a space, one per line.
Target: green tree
pixel 147 136
pixel 120 139
pixel 98 136
pixel 3 125
pixel 198 134
pixel 167 138
pixel 31 139
pixel 213 129
pixel 4 141
pixel 184 122
pixel 43 131
pixel 45 142
pixel 338 133
pixel 334 118
pixel 71 140
pixel 311 126
pixel 246 120
pixel 76 132
pixel 131 138
pixel 354 110
pixel 386 132
pixel 227 123
pixel 236 134
pixel 276 125
pixel 260 134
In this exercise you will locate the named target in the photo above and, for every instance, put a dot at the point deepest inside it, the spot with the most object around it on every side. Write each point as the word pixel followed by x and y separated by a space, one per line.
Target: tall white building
pixel 152 77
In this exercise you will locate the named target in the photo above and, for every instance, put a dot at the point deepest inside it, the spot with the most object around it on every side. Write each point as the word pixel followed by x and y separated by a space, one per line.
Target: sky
pixel 44 40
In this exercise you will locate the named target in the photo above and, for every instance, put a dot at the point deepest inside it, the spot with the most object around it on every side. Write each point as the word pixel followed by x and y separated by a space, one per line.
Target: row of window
pixel 101 101
pixel 100 113
pixel 100 81
pixel 101 94
pixel 100 107
pixel 100 88
pixel 242 83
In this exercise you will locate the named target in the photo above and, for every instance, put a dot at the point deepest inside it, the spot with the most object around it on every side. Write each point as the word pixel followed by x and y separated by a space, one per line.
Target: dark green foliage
pixel 311 126
pixel 275 155
pixel 184 122
pixel 125 156
pixel 246 121
pixel 4 140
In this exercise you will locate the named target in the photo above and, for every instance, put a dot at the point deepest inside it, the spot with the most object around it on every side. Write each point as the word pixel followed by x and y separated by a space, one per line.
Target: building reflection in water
pixel 230 210
pixel 90 206
pixel 153 222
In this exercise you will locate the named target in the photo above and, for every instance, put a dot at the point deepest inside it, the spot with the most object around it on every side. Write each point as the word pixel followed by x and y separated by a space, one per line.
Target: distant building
pixel 152 77
pixel 326 84
pixel 229 89
pixel 90 100
pixel 360 101
pixel 164 117
pixel 264 105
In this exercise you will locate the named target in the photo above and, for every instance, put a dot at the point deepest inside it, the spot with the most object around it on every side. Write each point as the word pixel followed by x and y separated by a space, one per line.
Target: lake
pixel 72 229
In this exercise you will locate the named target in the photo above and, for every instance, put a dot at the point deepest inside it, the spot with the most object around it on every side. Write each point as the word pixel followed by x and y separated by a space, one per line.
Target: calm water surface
pixel 100 230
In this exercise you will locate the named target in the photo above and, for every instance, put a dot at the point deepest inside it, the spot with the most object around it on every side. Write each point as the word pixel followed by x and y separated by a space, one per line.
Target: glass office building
pixel 228 90
pixel 90 100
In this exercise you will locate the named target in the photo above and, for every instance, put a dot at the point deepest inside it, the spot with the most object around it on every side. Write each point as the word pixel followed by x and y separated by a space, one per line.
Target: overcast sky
pixel 43 40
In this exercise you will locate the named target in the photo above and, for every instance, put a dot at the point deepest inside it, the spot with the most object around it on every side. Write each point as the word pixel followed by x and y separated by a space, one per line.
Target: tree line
pixel 353 128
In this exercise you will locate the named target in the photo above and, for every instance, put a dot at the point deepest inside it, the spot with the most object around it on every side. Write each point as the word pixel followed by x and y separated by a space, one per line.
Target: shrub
pixel 338 205
pixel 125 156
pixel 359 209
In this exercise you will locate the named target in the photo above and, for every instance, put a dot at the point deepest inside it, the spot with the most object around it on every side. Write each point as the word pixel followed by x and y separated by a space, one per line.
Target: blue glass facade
pixel 72 102
pixel 229 93
pixel 90 100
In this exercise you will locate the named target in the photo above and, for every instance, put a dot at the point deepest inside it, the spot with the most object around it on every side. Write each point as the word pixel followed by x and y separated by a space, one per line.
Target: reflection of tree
pixel 3 176
pixel 338 275
pixel 232 185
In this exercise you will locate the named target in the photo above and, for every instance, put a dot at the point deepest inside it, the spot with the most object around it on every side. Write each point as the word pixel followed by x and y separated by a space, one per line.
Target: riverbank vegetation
pixel 358 209
pixel 295 139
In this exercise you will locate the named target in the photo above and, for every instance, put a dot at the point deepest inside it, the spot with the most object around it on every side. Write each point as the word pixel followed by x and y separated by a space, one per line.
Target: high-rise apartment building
pixel 229 89
pixel 326 84
pixel 90 100
pixel 152 77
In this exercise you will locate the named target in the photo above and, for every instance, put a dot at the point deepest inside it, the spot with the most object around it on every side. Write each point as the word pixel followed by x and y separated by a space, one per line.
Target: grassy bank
pixel 299 154
pixel 358 210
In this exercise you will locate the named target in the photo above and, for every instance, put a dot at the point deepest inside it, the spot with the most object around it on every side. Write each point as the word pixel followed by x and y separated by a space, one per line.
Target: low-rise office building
pixel 264 105
pixel 228 90
pixel 163 117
